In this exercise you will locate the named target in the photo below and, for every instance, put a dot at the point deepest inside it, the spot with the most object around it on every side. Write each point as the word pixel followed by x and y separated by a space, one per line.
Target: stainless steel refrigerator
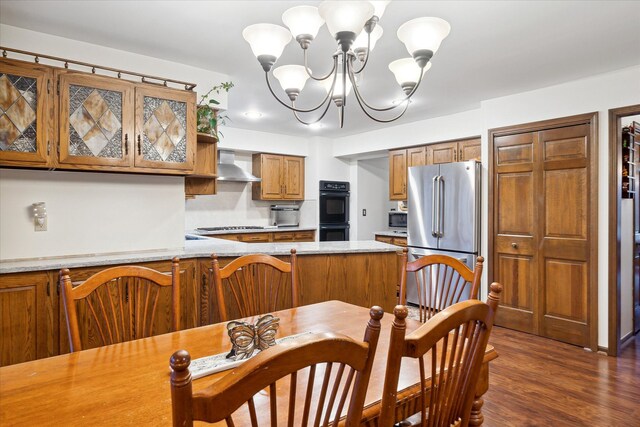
pixel 444 214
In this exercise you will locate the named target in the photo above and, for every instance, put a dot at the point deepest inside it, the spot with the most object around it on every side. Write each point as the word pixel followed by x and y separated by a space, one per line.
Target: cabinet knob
pixel 514 245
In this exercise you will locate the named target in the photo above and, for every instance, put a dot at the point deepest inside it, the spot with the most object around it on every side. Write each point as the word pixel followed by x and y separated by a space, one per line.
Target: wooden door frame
pixel 590 119
pixel 615 197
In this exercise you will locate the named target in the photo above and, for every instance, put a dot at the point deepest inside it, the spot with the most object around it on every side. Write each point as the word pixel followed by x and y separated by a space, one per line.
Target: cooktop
pixel 232 227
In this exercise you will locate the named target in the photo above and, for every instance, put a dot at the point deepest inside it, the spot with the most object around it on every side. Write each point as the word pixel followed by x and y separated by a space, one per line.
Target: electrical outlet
pixel 364 212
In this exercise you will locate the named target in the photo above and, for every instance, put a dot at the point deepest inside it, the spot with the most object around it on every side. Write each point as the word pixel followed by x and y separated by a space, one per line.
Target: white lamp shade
pixel 337 92
pixel 423 33
pixel 267 39
pixel 406 70
pixel 345 15
pixel 303 20
pixel 291 76
pixel 379 7
pixel 361 40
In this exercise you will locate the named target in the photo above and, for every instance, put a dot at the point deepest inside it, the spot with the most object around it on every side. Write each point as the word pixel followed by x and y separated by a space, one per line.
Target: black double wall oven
pixel 334 211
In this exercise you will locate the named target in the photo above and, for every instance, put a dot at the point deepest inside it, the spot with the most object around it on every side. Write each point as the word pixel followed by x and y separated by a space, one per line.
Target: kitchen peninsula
pixel 358 272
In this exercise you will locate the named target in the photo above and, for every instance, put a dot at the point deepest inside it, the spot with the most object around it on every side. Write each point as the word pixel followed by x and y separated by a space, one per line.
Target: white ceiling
pixel 495 48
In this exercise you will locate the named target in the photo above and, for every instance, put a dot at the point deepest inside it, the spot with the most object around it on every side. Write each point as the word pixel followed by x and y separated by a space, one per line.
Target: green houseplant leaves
pixel 207 113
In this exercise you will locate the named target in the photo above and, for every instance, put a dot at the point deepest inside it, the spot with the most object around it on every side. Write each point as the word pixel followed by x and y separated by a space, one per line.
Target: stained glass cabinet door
pixel 25 114
pixel 165 128
pixel 96 120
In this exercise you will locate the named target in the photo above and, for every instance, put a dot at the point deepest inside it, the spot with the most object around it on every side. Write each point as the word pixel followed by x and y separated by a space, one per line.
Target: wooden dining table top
pixel 128 383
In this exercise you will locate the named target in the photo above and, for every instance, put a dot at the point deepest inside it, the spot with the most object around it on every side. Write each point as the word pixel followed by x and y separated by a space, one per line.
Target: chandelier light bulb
pixel 379 7
pixel 338 91
pixel 304 22
pixel 267 42
pixel 345 19
pixel 407 72
pixel 292 78
pixel 422 36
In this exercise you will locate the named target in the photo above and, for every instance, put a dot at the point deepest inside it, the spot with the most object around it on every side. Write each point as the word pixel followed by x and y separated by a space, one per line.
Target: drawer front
pixel 385 239
pixel 255 237
pixel 283 237
pixel 305 236
pixel 400 241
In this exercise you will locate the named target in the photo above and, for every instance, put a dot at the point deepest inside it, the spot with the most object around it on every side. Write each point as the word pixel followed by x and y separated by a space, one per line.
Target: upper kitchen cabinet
pixel 165 128
pixel 59 118
pixel 282 177
pixel 432 154
pixel 96 120
pixel 398 175
pixel 25 114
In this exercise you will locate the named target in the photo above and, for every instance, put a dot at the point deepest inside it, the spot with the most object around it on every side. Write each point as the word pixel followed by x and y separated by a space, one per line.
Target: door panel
pixel 564 284
pixel 446 152
pixel 458 185
pixel 469 150
pixel 515 240
pixel 420 217
pixel 271 184
pixel 293 178
pixel 416 156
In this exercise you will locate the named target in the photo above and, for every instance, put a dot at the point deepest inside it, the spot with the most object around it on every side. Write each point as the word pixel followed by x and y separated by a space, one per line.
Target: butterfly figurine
pixel 247 338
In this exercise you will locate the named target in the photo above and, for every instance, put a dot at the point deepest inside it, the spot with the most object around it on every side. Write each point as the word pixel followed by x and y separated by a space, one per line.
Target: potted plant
pixel 207 113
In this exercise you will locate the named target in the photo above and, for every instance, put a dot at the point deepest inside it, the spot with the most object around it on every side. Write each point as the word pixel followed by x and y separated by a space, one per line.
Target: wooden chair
pixel 336 364
pixel 441 281
pixel 118 304
pixel 256 283
pixel 450 348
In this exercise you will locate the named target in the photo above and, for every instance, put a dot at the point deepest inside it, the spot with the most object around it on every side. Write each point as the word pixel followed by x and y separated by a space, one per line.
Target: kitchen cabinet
pixel 398 175
pixel 282 177
pixel 27 306
pixel 275 236
pixel 432 154
pixel 26 119
pixel 57 118
pixel 205 171
pixel 392 240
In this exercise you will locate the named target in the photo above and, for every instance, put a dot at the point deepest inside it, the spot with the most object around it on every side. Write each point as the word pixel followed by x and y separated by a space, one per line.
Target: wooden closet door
pixel 565 196
pixel 515 249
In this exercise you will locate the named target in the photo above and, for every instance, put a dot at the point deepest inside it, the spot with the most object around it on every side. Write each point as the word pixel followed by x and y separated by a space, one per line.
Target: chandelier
pixel 354 25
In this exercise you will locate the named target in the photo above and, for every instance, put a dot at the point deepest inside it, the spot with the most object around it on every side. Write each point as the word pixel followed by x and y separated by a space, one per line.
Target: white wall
pixel 89 213
pixel 626 267
pixel 373 195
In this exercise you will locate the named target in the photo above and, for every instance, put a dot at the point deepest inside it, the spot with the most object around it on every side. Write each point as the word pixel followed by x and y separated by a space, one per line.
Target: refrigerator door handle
pixel 434 210
pixel 440 206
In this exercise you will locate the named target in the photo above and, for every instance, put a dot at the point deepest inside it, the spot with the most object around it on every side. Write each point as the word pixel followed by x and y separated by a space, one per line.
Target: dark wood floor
pixel 541 382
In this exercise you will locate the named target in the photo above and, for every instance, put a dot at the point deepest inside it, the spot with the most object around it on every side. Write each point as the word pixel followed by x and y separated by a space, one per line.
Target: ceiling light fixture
pixel 354 26
pixel 253 114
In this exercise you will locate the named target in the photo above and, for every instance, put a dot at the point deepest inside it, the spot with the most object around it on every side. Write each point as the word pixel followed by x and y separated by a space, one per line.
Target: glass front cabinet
pixel 26 130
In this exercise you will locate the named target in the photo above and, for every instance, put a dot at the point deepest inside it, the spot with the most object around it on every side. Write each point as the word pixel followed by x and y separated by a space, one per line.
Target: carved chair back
pixel 254 284
pixel 316 379
pixel 450 349
pixel 440 281
pixel 119 304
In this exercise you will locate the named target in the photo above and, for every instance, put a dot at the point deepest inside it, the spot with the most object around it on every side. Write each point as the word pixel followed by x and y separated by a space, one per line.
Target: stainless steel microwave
pixel 397 219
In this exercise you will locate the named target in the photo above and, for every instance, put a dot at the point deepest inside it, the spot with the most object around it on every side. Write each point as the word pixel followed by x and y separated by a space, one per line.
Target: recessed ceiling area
pixel 495 48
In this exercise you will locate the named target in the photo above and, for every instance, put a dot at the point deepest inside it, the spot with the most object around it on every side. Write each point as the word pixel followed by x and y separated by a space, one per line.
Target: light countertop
pixel 252 230
pixel 392 233
pixel 195 249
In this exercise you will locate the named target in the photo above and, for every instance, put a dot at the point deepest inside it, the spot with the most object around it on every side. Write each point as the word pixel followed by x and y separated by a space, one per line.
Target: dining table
pixel 128 383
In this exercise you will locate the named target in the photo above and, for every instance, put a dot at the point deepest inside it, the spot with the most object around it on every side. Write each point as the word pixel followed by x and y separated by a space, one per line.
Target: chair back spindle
pixel 254 284
pixel 450 349
pixel 118 304
pixel 440 281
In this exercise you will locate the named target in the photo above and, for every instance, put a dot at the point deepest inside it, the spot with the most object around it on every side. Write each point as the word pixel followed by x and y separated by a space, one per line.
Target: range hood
pixel 229 171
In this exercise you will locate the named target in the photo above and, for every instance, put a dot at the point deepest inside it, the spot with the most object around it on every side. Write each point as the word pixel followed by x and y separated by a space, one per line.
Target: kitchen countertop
pixel 392 233
pixel 251 230
pixel 195 249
